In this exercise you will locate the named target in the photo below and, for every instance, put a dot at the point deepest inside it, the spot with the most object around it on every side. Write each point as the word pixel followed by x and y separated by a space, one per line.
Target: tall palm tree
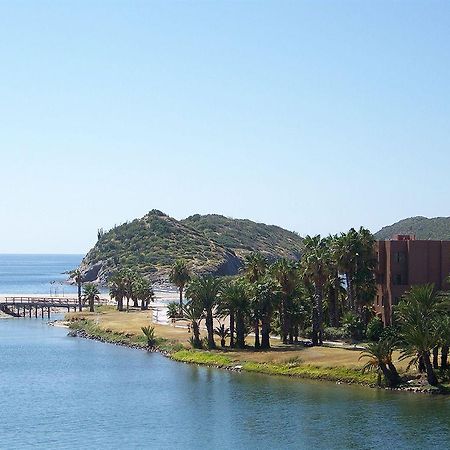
pixel 417 315
pixel 227 306
pixel 286 273
pixel 255 267
pixel 143 291
pixel 180 276
pixel 314 268
pixel 193 312
pixel 78 278
pixel 267 294
pixel 205 291
pixel 91 294
pixel 117 289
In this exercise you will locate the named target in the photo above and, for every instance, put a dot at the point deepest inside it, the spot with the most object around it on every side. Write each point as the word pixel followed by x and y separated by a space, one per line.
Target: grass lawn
pixel 294 360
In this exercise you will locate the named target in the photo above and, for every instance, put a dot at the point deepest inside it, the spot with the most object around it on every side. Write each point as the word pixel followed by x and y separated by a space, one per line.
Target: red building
pixel 404 262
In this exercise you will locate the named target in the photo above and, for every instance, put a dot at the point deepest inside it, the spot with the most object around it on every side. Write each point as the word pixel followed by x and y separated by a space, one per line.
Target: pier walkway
pixel 23 306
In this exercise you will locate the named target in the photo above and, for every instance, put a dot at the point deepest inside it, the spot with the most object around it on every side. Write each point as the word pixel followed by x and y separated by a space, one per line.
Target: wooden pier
pixel 35 306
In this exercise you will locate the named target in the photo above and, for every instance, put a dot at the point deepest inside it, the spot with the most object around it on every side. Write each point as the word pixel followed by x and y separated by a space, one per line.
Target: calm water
pixel 60 392
pixel 36 274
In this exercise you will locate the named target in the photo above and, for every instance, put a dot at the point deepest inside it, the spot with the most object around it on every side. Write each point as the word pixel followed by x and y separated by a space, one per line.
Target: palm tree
pixel 255 268
pixel 314 266
pixel 179 276
pixel 345 251
pixel 149 333
pixel 267 294
pixel 286 273
pixel 143 291
pixel 128 277
pixel 443 327
pixel 193 312
pixel 91 294
pixel 117 289
pixel 417 315
pixel 223 333
pixel 205 291
pixel 380 360
pixel 78 278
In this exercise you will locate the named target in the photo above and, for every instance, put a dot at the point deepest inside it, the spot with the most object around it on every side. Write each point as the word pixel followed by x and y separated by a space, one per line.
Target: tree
pixel 255 268
pixel 417 315
pixel 149 333
pixel 117 288
pixel 380 360
pixel 223 333
pixel 91 294
pixel 286 273
pixel 78 278
pixel 143 291
pixel 205 291
pixel 314 267
pixel 267 294
pixel 193 312
pixel 179 276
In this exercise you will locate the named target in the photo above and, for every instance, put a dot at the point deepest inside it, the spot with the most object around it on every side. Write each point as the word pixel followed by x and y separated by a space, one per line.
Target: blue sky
pixel 315 116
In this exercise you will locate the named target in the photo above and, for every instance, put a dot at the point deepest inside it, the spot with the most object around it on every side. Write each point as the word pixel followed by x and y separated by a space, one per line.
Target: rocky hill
pixel 244 236
pixel 437 228
pixel 211 244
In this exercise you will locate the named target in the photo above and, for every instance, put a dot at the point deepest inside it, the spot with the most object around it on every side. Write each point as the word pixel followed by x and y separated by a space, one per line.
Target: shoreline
pixel 219 360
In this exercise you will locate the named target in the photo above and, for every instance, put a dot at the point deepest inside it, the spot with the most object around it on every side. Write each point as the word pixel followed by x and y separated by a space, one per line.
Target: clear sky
pixel 315 116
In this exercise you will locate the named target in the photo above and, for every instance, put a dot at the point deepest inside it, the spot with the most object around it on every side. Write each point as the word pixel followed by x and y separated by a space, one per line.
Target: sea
pixel 62 392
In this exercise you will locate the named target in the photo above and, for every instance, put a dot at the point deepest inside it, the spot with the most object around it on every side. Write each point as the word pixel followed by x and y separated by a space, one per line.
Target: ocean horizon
pixel 37 273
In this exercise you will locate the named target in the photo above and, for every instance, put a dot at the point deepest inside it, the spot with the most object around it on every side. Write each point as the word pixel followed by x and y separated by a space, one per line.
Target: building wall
pixel 405 263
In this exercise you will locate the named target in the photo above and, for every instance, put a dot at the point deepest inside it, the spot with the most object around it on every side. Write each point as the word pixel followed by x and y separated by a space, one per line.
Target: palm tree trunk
pixel 231 328
pixel 444 357
pixel 128 303
pixel 135 303
pixel 210 329
pixel 91 305
pixel 80 306
pixel 181 301
pixel 319 307
pixel 421 365
pixel 256 330
pixel 265 331
pixel 431 376
pixel 332 306
pixel 395 376
pixel 349 282
pixel 143 305
pixel 120 303
pixel 436 357
pixel 315 326
pixel 196 333
pixel 282 326
pixel 240 333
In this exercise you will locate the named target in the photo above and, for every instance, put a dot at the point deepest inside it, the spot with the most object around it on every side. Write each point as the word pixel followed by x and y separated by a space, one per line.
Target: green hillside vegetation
pixel 437 228
pixel 244 236
pixel 210 244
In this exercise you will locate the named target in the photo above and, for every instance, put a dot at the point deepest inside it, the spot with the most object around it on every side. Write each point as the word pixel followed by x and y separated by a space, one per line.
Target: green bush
pixel 336 334
pixel 353 326
pixel 374 329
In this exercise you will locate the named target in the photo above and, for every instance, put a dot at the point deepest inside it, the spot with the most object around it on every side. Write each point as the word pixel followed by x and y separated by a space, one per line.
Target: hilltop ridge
pixel 210 243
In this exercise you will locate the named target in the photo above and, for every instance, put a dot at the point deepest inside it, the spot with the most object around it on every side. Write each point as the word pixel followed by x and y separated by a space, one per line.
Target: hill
pixel 437 228
pixel 244 236
pixel 211 244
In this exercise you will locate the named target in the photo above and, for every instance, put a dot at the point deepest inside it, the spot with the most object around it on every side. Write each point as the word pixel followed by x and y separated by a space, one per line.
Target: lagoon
pixel 62 392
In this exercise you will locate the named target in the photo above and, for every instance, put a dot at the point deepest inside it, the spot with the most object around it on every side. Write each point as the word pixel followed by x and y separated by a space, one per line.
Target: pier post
pixel 35 311
pixel 42 312
pixel 48 312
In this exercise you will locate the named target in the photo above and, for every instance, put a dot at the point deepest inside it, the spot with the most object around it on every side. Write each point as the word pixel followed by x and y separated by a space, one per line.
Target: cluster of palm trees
pixel 127 284
pixel 420 330
pixel 334 278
